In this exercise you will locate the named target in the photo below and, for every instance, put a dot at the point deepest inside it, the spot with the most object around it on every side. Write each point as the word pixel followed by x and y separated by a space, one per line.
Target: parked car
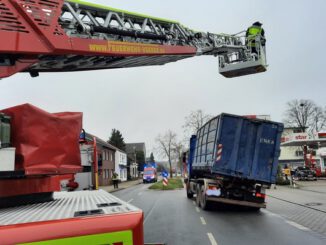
pixel 305 173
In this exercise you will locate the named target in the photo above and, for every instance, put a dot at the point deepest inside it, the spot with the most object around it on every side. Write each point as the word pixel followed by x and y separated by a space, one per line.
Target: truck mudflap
pixel 236 202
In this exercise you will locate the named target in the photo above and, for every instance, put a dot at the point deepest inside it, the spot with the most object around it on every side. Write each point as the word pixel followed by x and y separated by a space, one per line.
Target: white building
pixel 134 170
pixel 292 149
pixel 292 155
pixel 120 163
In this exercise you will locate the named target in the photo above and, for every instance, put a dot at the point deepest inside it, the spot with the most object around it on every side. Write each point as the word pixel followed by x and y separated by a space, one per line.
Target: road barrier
pixel 165 181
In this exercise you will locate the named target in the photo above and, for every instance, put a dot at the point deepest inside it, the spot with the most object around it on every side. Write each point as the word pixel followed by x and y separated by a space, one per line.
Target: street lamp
pixel 302 105
pixel 305 147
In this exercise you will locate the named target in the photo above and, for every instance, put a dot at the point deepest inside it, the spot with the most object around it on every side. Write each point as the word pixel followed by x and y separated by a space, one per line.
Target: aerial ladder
pixel 73 35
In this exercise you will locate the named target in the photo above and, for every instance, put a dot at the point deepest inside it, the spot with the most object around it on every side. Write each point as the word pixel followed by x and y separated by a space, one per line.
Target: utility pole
pixel 305 147
pixel 134 147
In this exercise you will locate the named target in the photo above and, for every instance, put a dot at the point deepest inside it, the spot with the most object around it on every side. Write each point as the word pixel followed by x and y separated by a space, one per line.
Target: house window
pixel 299 153
pixel 105 155
pixel 104 173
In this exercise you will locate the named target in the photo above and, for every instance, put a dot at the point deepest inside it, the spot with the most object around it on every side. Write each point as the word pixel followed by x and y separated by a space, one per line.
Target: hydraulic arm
pixel 57 36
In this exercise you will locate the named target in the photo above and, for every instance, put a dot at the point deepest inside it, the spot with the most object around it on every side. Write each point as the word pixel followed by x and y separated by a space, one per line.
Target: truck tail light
pixel 261 195
pixel 213 190
pixel 212 187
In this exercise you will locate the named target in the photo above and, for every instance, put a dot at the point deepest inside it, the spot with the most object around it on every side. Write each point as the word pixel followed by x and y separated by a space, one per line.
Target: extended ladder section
pixel 57 36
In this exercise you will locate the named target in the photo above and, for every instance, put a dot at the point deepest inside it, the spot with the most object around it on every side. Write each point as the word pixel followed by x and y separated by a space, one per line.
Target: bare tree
pixel 318 120
pixel 194 121
pixel 306 115
pixel 166 144
pixel 178 149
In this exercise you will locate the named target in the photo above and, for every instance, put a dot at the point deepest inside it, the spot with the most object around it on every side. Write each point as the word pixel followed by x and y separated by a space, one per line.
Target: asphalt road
pixel 171 218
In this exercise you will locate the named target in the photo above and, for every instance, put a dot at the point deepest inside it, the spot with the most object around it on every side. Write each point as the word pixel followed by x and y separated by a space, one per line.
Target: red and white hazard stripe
pixel 165 181
pixel 219 152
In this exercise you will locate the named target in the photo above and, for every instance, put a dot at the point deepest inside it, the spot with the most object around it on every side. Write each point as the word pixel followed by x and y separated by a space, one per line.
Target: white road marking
pixel 270 213
pixel 203 222
pixel 296 225
pixel 130 200
pixel 194 202
pixel 150 211
pixel 197 209
pixel 212 239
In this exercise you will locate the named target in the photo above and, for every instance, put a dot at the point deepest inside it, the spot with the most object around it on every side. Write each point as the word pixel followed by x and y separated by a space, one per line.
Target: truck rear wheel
pixel 198 195
pixel 190 195
pixel 205 205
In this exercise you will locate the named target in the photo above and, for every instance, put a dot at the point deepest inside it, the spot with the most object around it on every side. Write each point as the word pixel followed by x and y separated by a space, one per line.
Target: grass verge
pixel 173 184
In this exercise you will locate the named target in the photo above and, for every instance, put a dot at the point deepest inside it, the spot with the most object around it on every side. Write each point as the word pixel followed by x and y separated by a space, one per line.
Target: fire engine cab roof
pixel 66 205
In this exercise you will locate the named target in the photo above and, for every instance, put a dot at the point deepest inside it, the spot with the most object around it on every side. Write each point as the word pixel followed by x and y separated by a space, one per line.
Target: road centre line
pixel 197 209
pixel 212 239
pixel 203 222
pixel 150 211
pixel 130 200
pixel 194 202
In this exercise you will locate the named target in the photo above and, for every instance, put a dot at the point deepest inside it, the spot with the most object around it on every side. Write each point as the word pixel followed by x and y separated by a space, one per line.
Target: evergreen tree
pixel 117 140
pixel 140 158
pixel 152 157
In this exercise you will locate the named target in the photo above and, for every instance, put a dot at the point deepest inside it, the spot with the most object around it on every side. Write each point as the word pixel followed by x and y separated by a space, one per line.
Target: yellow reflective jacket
pixel 251 34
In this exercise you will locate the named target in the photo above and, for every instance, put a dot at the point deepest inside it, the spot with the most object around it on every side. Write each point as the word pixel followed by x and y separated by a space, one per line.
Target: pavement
pixel 314 186
pixel 122 185
pixel 306 205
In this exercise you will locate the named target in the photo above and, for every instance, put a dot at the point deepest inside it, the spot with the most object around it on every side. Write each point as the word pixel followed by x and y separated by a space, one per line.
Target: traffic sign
pixel 165 174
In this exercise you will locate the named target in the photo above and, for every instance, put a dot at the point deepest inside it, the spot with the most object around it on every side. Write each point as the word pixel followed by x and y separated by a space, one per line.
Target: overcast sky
pixel 145 102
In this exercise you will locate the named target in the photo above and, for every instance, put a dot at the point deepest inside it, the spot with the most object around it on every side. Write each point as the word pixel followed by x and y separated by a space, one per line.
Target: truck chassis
pixel 208 191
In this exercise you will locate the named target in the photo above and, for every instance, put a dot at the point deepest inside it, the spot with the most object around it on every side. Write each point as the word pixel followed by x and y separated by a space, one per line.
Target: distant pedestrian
pixel 287 172
pixel 115 180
